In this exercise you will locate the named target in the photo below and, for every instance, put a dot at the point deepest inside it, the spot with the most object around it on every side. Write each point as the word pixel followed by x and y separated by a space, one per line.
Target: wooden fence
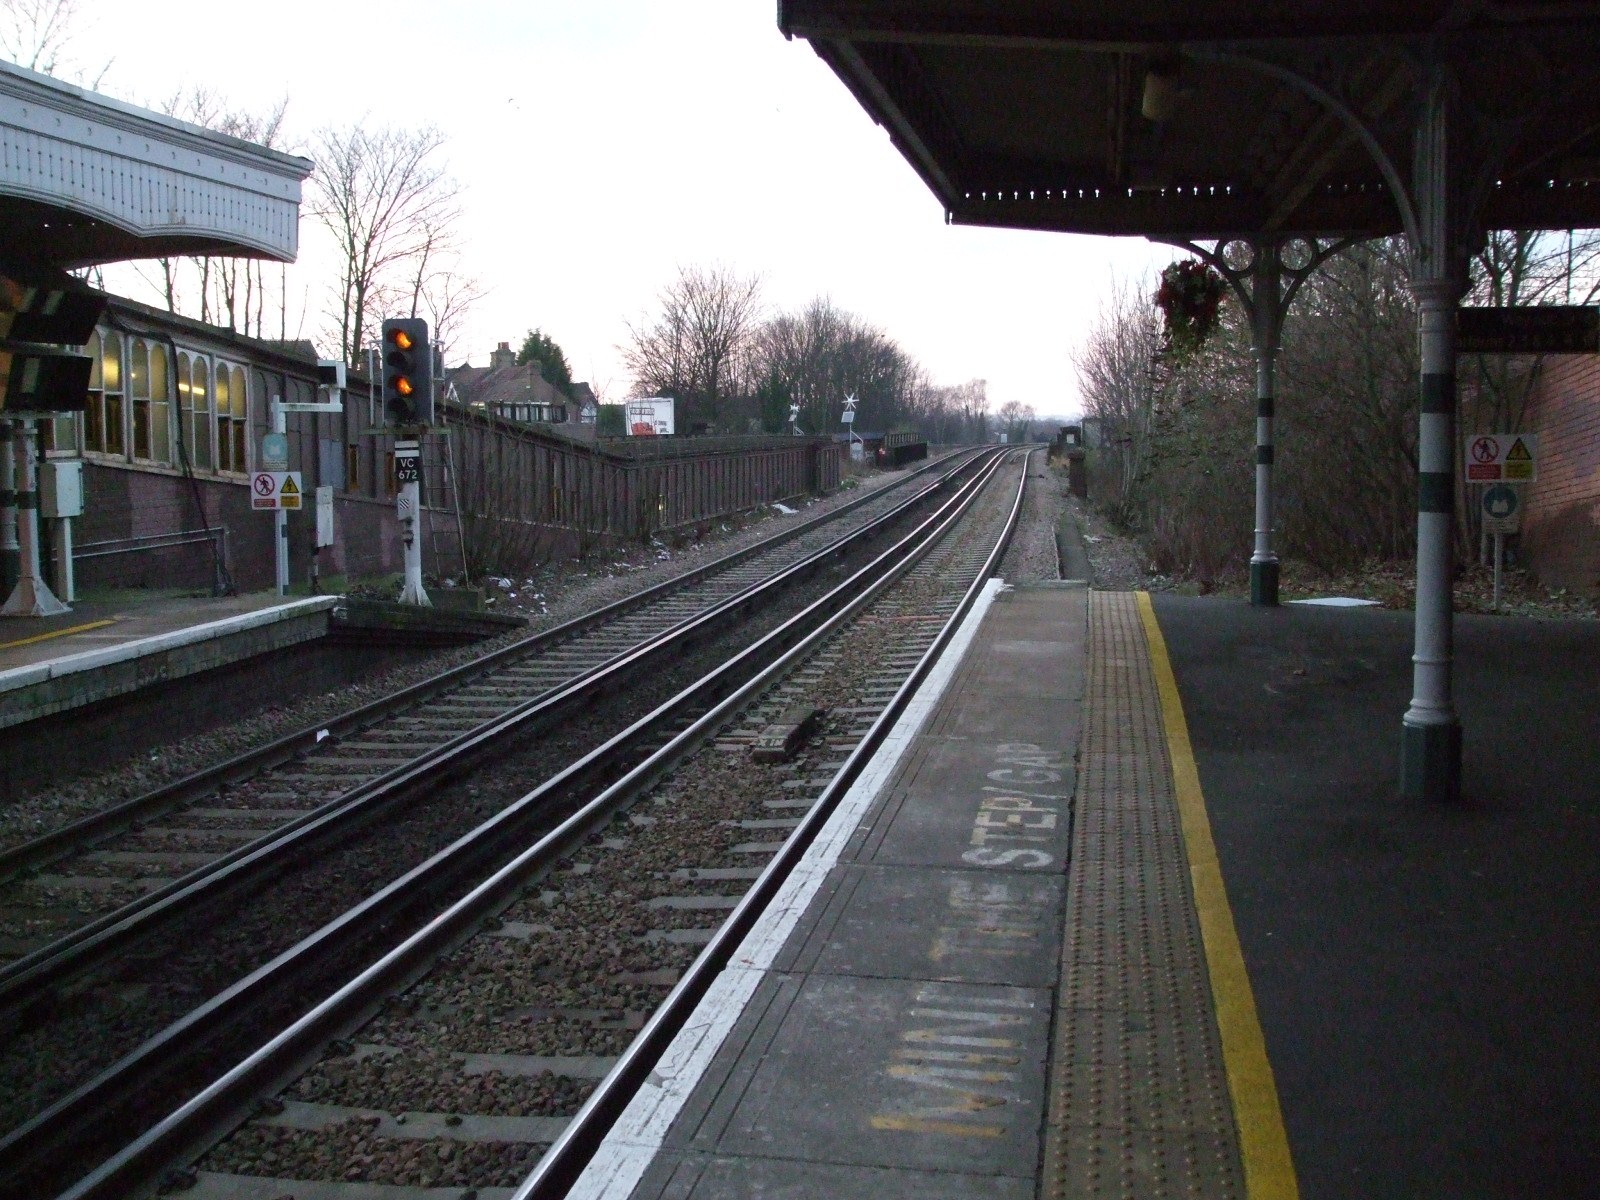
pixel 521 489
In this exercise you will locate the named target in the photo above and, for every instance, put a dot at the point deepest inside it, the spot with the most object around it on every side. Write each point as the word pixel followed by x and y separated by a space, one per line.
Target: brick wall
pixel 1561 528
pixel 122 503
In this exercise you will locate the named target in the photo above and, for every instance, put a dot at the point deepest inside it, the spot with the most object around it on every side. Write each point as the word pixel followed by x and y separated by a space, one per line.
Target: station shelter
pixel 1263 139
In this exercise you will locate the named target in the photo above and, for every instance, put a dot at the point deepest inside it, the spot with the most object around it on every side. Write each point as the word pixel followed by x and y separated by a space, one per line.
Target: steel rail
pixel 229 1098
pixel 87 830
pixel 561 1165
pixel 23 980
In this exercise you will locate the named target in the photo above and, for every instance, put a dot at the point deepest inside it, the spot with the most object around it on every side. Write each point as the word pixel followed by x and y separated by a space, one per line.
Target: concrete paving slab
pixel 970 802
pixel 969 926
pixel 881 1073
pixel 1032 653
pixel 706 1177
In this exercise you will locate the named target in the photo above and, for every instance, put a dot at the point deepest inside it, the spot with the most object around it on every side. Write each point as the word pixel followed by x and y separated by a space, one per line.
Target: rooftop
pixel 1232 118
pixel 85 179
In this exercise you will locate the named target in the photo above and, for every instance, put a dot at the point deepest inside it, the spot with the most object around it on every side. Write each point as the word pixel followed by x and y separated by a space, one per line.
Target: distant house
pixel 516 393
pixel 585 402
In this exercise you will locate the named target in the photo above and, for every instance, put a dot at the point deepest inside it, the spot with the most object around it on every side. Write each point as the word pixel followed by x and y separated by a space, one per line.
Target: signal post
pixel 408 407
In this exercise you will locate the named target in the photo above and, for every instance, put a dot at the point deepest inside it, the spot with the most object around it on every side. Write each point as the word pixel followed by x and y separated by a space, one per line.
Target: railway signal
pixel 408 402
pixel 407 372
pixel 45 317
pixel 40 311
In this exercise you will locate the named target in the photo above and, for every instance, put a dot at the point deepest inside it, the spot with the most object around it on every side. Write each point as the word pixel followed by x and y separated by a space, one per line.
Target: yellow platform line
pixel 1263 1142
pixel 45 637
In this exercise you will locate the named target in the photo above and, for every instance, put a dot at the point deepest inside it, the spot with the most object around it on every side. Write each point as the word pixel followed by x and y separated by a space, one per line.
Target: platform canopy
pixel 1182 120
pixel 85 179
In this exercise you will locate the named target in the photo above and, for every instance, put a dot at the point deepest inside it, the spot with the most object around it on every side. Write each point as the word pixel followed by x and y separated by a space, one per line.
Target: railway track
pixel 70 879
pixel 592 925
pixel 81 1001
pixel 42 1139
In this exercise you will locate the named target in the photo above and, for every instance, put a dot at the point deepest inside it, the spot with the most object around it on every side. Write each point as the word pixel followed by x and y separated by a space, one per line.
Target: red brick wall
pixel 1561 529
pixel 123 502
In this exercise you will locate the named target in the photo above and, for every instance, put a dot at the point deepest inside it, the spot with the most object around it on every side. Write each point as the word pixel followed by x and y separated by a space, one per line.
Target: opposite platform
pixel 963 964
pixel 102 650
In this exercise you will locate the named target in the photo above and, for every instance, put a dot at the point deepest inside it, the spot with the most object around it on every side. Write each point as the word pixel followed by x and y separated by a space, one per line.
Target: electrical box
pixel 61 487
pixel 324 516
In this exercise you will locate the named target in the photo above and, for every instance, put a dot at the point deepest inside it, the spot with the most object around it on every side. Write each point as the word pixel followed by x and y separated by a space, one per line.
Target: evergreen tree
pixel 540 345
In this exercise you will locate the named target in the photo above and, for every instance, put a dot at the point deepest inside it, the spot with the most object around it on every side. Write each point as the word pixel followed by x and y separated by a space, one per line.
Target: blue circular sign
pixel 1500 501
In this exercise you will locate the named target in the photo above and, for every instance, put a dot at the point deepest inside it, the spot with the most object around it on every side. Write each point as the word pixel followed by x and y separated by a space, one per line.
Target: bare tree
pixel 1116 378
pixel 1016 416
pixel 382 195
pixel 692 349
pixel 447 295
pixel 816 357
pixel 38 34
pixel 218 289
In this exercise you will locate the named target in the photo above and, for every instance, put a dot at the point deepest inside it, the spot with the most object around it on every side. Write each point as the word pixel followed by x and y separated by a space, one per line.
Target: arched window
pixel 198 428
pixel 160 405
pixel 231 408
pixel 185 412
pixel 94 411
pixel 111 424
pixel 139 396
pixel 224 442
pixel 239 397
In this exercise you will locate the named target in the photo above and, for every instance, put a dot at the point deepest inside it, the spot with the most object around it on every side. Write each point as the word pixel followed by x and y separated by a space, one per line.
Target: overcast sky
pixel 601 143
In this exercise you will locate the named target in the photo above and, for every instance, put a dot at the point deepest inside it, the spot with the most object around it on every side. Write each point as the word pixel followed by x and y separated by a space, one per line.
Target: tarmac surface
pixel 1427 978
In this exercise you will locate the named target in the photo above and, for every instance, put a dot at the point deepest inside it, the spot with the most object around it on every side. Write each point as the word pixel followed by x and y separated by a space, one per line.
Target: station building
pixel 169 441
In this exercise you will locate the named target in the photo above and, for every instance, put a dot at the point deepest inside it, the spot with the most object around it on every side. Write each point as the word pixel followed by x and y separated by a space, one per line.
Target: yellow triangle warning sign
pixel 1518 452
pixel 289 488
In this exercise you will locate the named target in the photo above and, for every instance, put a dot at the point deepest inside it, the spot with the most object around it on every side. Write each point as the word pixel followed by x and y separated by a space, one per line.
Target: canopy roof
pixel 1274 118
pixel 85 179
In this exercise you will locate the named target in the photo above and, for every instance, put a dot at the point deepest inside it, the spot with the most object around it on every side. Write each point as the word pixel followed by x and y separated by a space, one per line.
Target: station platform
pixel 115 646
pixel 1129 905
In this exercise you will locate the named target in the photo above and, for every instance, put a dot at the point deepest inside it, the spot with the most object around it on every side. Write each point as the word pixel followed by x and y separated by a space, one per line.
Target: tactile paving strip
pixel 1139 1102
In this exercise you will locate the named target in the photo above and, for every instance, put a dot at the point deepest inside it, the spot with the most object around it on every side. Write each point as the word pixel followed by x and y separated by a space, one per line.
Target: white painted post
pixel 1266 324
pixel 280 518
pixel 410 509
pixel 1499 559
pixel 1430 758
pixel 66 583
pixel 31 597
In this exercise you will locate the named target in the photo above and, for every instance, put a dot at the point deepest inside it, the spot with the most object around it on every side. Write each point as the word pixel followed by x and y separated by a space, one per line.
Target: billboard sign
pixel 650 416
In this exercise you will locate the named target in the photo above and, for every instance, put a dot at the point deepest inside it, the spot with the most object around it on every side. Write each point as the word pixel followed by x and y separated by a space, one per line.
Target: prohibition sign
pixel 265 484
pixel 1486 450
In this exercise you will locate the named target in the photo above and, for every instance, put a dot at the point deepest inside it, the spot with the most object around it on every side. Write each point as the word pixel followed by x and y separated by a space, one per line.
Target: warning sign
pixel 1502 457
pixel 275 489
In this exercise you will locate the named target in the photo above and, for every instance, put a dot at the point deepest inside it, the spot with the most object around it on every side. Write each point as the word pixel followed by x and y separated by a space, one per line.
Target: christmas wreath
pixel 1189 295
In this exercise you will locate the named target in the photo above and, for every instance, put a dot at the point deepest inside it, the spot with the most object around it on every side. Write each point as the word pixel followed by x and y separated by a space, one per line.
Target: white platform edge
pixel 89 660
pixel 637 1137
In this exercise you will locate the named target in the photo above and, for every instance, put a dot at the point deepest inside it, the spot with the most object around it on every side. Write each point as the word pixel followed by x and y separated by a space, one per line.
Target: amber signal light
pixel 408 372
